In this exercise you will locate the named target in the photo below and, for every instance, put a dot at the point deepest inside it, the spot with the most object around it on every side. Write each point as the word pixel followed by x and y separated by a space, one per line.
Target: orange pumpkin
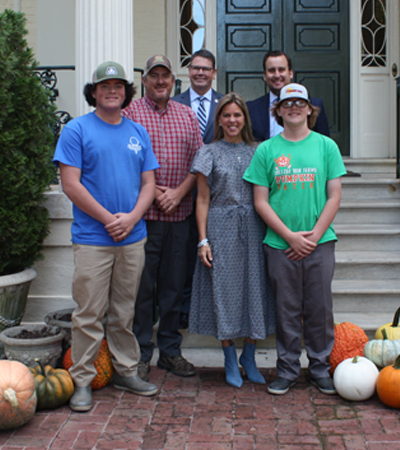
pixel 17 395
pixel 388 384
pixel 103 366
pixel 349 342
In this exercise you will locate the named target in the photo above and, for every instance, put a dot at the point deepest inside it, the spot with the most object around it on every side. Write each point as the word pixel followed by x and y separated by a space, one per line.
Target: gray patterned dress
pixel 234 298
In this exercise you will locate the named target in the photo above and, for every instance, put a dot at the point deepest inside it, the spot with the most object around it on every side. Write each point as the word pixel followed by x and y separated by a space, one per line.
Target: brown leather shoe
pixel 178 365
pixel 144 370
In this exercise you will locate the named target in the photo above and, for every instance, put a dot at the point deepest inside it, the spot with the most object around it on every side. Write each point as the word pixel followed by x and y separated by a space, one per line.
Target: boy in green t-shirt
pixel 297 190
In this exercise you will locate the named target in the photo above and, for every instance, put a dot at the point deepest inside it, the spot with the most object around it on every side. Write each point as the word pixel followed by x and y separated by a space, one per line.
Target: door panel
pixel 247 29
pixel 314 33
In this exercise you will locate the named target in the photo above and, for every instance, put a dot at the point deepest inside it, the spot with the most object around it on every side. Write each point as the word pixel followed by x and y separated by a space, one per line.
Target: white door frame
pixel 373 91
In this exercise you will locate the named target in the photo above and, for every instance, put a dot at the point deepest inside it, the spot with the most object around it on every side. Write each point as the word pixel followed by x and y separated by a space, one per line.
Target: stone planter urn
pixel 13 295
pixel 14 291
pixel 62 319
pixel 25 343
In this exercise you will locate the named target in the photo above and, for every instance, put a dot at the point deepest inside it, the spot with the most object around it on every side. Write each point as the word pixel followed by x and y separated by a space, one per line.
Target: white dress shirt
pixel 274 127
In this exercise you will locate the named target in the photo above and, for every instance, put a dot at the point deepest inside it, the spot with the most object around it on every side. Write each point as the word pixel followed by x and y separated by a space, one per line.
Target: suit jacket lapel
pixel 211 116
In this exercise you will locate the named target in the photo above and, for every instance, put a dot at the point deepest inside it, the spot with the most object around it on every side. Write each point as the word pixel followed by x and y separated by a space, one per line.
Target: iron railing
pixel 48 78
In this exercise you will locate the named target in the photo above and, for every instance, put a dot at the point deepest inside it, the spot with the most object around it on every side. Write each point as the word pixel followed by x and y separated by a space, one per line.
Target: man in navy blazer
pixel 278 73
pixel 202 72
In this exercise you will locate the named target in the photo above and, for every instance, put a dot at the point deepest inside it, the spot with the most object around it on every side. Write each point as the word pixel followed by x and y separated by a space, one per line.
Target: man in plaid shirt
pixel 175 137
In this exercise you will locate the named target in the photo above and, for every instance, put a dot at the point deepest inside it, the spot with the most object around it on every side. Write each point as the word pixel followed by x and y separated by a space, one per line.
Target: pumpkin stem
pixel 39 363
pixel 396 318
pixel 355 359
pixel 11 396
pixel 384 333
pixel 396 365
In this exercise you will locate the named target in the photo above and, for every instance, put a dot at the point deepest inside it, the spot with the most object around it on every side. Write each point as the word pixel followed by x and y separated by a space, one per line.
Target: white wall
pixel 56 46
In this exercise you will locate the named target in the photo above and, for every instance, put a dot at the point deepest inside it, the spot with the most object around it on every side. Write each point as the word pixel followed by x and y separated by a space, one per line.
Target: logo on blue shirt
pixel 134 145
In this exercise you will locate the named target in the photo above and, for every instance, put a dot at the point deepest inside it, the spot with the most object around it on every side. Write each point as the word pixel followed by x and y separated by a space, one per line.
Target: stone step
pixel 371 165
pixel 376 237
pixel 366 296
pixel 369 322
pixel 367 265
pixel 367 211
pixel 370 188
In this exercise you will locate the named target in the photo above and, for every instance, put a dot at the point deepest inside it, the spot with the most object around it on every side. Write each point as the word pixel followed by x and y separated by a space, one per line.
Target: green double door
pixel 314 33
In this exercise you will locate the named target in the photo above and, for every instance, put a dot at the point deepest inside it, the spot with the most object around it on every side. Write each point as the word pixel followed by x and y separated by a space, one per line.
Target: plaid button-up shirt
pixel 175 137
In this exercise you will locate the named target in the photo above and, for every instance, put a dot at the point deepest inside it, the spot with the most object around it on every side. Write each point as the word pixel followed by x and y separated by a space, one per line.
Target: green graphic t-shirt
pixel 296 174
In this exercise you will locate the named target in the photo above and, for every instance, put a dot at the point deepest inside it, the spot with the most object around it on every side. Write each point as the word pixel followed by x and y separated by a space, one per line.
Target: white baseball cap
pixel 293 90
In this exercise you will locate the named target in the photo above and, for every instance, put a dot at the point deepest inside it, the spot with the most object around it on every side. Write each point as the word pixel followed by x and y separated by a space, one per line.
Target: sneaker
pixel 280 386
pixel 134 384
pixel 325 385
pixel 177 365
pixel 144 370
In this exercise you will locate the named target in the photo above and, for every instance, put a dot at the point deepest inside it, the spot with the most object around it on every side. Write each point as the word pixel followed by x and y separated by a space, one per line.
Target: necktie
pixel 201 115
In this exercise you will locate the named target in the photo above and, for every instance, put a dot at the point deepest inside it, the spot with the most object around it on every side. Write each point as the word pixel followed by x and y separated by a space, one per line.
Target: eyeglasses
pixel 289 103
pixel 203 68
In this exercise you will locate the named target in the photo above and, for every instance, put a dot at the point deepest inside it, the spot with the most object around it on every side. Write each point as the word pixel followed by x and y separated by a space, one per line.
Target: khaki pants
pixel 105 279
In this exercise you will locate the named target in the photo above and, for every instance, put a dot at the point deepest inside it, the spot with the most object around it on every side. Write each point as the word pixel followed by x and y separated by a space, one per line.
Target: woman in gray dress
pixel 231 296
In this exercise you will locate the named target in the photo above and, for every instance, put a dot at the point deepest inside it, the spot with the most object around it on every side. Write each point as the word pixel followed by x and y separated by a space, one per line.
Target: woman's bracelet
pixel 203 242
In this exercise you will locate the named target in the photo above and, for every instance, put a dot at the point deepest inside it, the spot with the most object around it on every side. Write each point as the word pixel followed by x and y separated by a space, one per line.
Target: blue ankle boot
pixel 232 372
pixel 247 361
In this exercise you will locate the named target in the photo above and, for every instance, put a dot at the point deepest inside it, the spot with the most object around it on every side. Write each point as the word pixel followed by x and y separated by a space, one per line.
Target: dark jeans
pixel 191 261
pixel 165 267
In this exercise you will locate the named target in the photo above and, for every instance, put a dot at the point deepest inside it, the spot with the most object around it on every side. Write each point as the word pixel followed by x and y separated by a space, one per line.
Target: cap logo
pixel 111 70
pixel 159 58
pixel 290 90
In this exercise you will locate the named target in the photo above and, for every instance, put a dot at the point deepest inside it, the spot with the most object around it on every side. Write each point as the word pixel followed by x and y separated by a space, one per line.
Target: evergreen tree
pixel 26 149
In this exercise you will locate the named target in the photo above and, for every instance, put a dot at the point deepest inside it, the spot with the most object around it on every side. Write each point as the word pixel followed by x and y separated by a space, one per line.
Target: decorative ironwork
pixel 373 31
pixel 192 28
pixel 48 79
pixel 62 117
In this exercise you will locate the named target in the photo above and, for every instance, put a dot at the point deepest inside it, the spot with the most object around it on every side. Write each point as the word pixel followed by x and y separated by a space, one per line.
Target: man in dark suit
pixel 202 72
pixel 203 100
pixel 278 73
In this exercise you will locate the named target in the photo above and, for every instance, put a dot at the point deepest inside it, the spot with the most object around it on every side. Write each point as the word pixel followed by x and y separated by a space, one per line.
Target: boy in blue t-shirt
pixel 297 190
pixel 107 170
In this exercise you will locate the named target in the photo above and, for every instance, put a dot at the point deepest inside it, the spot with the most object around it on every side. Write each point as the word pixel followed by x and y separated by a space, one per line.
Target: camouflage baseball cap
pixel 109 70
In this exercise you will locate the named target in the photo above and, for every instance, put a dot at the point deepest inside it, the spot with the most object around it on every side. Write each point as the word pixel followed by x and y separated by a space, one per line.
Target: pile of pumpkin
pixel 355 361
pixel 24 390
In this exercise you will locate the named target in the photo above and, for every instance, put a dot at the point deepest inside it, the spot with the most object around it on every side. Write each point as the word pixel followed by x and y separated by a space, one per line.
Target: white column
pixel 104 31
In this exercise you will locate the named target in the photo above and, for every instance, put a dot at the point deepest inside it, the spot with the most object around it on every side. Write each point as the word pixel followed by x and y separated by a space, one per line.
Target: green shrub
pixel 26 149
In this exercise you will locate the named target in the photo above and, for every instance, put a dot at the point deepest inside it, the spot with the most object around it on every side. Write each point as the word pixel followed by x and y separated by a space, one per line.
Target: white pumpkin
pixel 355 378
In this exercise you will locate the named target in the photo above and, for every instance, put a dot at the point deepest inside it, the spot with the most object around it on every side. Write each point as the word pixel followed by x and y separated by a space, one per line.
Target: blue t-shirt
pixel 111 159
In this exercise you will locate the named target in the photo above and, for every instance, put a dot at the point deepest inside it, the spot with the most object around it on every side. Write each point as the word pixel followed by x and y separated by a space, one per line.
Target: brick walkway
pixel 203 413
